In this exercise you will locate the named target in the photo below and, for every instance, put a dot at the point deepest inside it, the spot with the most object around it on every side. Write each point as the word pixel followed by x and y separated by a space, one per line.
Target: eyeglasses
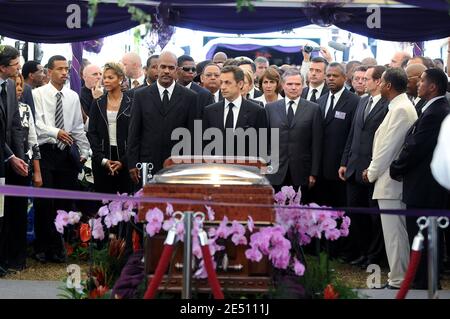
pixel 189 69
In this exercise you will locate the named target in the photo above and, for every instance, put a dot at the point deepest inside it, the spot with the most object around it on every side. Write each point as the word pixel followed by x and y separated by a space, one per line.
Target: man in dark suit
pixel 235 113
pixel 316 77
pixel 300 146
pixel 152 70
pixel 366 235
pixel 420 189
pixel 338 108
pixel 414 72
pixel 157 110
pixel 11 138
pixel 210 79
pixel 186 73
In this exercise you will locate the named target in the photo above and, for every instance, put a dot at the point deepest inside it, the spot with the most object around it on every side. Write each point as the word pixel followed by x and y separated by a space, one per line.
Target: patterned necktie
pixel 330 108
pixel 368 108
pixel 135 83
pixel 229 122
pixel 290 113
pixel 313 96
pixel 59 118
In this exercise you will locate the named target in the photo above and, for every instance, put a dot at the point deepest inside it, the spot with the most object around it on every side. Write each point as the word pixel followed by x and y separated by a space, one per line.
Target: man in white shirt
pixel 387 145
pixel 60 131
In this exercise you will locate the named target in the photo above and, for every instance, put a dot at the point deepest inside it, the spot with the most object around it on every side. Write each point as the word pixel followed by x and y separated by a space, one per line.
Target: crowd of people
pixel 354 134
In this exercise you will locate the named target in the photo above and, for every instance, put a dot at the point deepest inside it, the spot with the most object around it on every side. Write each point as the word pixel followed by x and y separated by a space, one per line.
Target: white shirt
pixel 45 104
pixel 252 93
pixel 188 86
pixel 262 99
pixel 112 127
pixel 216 96
pixel 318 93
pixel 162 88
pixel 237 106
pixel 140 79
pixel 294 106
pixel 431 102
pixel 440 165
pixel 375 100
pixel 337 95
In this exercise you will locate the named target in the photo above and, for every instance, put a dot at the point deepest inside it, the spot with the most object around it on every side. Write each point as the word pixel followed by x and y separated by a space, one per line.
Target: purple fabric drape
pixel 77 58
pixel 251 47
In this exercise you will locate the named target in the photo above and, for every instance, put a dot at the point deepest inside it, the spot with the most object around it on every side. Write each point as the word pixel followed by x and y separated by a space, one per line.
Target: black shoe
pixel 40 257
pixel 387 286
pixel 358 261
pixel 3 272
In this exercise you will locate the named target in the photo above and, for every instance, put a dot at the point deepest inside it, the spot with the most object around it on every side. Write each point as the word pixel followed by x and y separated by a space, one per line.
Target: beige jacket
pixel 387 144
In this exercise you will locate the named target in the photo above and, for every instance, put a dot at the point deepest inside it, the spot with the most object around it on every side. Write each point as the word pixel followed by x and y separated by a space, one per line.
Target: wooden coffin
pixel 230 184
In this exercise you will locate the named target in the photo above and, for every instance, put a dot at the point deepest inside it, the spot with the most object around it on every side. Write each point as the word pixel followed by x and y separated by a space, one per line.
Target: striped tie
pixel 59 118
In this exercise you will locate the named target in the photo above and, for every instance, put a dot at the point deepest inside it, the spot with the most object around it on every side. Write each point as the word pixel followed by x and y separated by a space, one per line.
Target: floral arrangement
pixel 296 224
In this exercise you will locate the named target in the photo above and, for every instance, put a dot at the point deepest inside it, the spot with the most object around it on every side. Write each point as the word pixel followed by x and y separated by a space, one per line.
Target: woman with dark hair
pixel 108 132
pixel 270 85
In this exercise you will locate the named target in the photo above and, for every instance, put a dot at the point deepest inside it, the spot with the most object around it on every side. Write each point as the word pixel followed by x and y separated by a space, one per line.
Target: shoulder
pixel 214 106
pixel 273 105
pixel 350 96
pixel 308 104
pixel 185 91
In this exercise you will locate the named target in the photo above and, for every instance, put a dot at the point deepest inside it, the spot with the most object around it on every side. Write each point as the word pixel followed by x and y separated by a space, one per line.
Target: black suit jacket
pixel 300 144
pixel 358 149
pixel 305 92
pixel 27 98
pixel 251 115
pixel 204 98
pixel 12 127
pixel 257 93
pixel 336 131
pixel 151 126
pixel 98 133
pixel 413 164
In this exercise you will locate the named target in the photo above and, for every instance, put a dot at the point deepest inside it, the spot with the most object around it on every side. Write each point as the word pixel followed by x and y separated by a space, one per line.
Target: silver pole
pixel 144 173
pixel 187 258
pixel 433 250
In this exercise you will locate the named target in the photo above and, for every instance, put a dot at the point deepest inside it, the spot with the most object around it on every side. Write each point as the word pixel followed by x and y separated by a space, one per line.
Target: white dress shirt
pixel 237 106
pixel 432 101
pixel 440 165
pixel 216 96
pixel 45 104
pixel 140 79
pixel 318 93
pixel 337 95
pixel 294 106
pixel 375 100
pixel 162 88
pixel 262 99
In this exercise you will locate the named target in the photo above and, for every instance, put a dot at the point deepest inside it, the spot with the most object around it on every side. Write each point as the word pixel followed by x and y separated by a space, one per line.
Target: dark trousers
pixel 13 238
pixel 306 192
pixel 59 172
pixel 366 233
pixel 104 183
pixel 421 279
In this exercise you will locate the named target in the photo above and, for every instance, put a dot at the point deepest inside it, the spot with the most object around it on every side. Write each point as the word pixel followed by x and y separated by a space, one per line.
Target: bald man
pixel 414 72
pixel 133 69
pixel 219 58
pixel 157 110
pixel 398 58
pixel 92 76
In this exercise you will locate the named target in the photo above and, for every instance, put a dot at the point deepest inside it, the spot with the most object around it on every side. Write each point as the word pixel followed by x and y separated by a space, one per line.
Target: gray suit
pixel 300 145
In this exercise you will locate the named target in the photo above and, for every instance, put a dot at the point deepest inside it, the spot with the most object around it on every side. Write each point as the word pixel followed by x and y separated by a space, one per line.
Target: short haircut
pixel 271 74
pixel 7 54
pixel 439 78
pixel 183 59
pixel 29 67
pixel 378 71
pixel 351 65
pixel 319 59
pixel 238 73
pixel 210 64
pixel 116 67
pixel 398 79
pixel 244 62
pixel 361 68
pixel 291 72
pixel 338 66
pixel 51 61
pixel 149 60
pixel 230 62
pixel 261 59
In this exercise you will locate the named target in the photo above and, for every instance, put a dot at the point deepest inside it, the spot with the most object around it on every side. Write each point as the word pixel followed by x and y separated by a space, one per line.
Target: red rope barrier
pixel 410 274
pixel 212 276
pixel 160 270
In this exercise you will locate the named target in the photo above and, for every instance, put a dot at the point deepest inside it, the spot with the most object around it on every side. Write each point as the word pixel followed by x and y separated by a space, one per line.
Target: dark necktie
pixel 247 96
pixel 330 109
pixel 368 108
pixel 59 118
pixel 229 122
pixel 4 97
pixel 165 100
pixel 313 95
pixel 290 113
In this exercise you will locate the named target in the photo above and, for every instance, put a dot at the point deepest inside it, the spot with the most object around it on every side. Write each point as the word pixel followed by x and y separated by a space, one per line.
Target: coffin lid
pixel 210 174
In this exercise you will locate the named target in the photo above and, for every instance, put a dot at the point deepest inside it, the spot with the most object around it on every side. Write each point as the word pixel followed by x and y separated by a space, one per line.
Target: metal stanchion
pixel 187 259
pixel 433 250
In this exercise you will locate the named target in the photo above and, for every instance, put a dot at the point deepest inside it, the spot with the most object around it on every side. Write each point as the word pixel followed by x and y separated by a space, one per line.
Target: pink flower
pixel 253 254
pixel 169 209
pixel 155 219
pixel 61 220
pixel 126 215
pixel 344 232
pixel 237 228
pixel 299 268
pixel 115 206
pixel 97 229
pixel 74 217
pixel 280 198
pixel 168 224
pixel 222 231
pixel 332 234
pixel 239 239
pixel 250 224
pixel 210 212
pixel 288 191
pixel 103 211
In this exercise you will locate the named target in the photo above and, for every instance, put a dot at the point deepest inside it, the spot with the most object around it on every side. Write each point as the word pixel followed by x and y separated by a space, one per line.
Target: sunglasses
pixel 189 69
